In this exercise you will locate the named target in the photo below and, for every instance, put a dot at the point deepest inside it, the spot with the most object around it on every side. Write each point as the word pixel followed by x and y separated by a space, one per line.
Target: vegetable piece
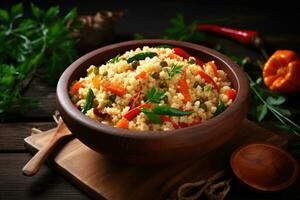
pixel 135 64
pixel 184 88
pixel 135 100
pixel 154 118
pixel 123 123
pixel 231 93
pixel 175 69
pixel 99 113
pixel 112 97
pixel 96 81
pixel 132 113
pixel 208 79
pixel 88 101
pixel 141 75
pixel 282 71
pixel 155 96
pixel 155 75
pixel 186 55
pixel 76 87
pixel 113 88
pixel 220 108
pixel 165 118
pixel 114 59
pixel 166 110
pixel 141 56
pixel 247 37
pixel 213 66
pixel 163 64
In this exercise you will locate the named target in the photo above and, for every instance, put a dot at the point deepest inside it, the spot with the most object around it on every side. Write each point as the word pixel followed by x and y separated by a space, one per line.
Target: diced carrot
pixel 76 87
pixel 96 81
pixel 113 88
pixel 141 75
pixel 123 123
pixel 174 56
pixel 214 67
pixel 208 79
pixel 231 93
pixel 184 88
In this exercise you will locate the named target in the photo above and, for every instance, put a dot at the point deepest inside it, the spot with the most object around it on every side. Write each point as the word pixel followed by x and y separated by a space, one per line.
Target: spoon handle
pixel 35 163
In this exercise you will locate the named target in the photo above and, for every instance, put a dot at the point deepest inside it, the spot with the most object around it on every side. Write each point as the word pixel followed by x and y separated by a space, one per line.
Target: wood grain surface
pixel 99 177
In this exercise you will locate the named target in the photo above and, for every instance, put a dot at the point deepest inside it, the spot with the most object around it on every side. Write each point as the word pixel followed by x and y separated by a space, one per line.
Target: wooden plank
pixel 101 178
pixel 12 134
pixel 46 185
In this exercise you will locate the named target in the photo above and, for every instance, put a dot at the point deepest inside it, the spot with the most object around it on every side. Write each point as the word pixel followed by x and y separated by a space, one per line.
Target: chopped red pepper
pixel 231 94
pixel 135 111
pixel 141 75
pixel 168 119
pixel 208 79
pixel 76 87
pixel 184 88
pixel 186 55
pixel 214 67
pixel 123 123
pixel 184 124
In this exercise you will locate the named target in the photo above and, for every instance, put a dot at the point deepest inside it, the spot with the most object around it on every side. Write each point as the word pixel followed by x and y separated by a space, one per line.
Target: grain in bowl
pixel 153 88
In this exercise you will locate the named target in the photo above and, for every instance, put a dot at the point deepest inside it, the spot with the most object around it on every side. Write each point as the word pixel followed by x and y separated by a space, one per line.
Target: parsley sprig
pixel 114 59
pixel 38 45
pixel 175 69
pixel 154 95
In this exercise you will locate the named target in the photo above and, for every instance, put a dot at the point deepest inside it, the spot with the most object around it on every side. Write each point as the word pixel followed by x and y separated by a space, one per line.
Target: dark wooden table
pixel 277 24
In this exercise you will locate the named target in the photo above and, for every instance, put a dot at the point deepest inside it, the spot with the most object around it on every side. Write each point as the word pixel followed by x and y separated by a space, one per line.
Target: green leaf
pixel 114 59
pixel 275 101
pixel 36 11
pixel 261 112
pixel 175 69
pixel 166 110
pixel 4 16
pixel 88 101
pixel 258 80
pixel 155 96
pixel 71 15
pixel 52 12
pixel 283 111
pixel 152 116
pixel 220 108
pixel 141 56
pixel 164 46
pixel 17 11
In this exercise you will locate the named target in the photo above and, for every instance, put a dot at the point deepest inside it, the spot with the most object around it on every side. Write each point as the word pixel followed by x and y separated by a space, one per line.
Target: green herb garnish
pixel 89 101
pixel 114 59
pixel 166 110
pixel 175 69
pixel 155 96
pixel 141 56
pixel 220 108
pixel 164 46
pixel 38 44
pixel 154 118
pixel 208 88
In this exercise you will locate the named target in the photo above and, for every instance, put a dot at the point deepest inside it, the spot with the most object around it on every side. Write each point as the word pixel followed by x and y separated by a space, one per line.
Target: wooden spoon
pixel 35 163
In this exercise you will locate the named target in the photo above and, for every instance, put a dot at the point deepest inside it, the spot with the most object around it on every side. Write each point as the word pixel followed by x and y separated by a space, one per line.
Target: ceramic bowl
pixel 153 147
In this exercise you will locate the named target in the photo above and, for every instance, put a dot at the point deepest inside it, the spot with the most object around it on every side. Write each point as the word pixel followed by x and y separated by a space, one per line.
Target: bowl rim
pixel 274 188
pixel 62 91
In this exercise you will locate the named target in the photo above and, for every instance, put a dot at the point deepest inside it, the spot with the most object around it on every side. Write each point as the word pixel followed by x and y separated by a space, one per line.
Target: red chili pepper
pixel 208 79
pixel 180 52
pixel 247 37
pixel 135 111
pixel 168 119
pixel 184 124
pixel 231 93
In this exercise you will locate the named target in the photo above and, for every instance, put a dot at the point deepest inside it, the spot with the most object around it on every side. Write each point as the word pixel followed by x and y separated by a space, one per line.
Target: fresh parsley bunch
pixel 39 45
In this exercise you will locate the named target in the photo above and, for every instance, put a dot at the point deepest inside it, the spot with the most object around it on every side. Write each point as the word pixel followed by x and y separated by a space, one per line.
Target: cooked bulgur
pixel 153 88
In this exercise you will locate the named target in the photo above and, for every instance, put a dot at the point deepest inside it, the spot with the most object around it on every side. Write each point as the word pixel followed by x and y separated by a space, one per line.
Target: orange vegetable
pixel 208 79
pixel 282 71
pixel 96 81
pixel 113 88
pixel 184 88
pixel 174 56
pixel 212 65
pixel 123 123
pixel 231 93
pixel 141 75
pixel 76 87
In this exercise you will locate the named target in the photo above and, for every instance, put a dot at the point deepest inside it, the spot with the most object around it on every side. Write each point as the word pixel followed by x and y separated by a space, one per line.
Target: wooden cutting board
pixel 100 178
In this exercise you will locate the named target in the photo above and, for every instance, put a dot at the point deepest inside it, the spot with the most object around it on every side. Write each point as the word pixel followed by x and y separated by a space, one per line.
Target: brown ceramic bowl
pixel 264 167
pixel 153 147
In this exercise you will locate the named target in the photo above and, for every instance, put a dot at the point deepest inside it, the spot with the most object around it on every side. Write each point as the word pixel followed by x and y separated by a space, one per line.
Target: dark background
pixel 277 21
